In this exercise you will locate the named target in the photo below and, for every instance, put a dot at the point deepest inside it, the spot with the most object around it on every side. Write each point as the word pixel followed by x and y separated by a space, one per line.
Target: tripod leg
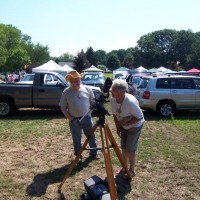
pixel 117 150
pixel 75 161
pixel 108 164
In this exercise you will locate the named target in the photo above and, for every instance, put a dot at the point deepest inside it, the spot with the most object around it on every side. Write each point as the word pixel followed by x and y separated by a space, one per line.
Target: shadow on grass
pixel 123 186
pixel 40 182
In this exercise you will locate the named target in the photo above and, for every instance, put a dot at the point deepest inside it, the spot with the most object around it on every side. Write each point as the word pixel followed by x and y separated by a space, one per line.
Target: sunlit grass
pixel 164 144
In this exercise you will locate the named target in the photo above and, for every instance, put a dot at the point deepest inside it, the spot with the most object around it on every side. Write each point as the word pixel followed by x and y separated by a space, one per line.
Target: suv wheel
pixel 165 108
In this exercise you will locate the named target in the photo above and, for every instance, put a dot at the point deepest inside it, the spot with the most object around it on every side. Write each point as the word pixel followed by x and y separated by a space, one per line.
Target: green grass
pixel 9 185
pixel 108 75
pixel 169 147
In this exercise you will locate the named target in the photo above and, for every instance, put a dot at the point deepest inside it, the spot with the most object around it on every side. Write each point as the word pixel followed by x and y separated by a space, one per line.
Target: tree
pixel 39 54
pixel 91 56
pixel 128 61
pixel 121 53
pixel 17 49
pixel 182 47
pixel 66 57
pixel 9 40
pixel 156 47
pixel 17 59
pixel 193 59
pixel 113 62
pixel 80 61
pixel 101 57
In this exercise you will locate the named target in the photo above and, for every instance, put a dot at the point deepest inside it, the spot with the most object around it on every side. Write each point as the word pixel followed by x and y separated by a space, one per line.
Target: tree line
pixel 172 49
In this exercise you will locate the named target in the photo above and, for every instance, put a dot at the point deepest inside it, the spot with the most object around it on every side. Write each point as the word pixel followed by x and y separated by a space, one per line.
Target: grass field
pixel 36 150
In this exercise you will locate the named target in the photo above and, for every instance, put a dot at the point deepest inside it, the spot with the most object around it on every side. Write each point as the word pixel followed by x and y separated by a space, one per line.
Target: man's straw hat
pixel 72 74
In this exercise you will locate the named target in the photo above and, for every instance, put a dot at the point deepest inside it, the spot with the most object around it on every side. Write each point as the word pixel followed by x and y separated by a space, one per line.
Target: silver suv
pixel 166 94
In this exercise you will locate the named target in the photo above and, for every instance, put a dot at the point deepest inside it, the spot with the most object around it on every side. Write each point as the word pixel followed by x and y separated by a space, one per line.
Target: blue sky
pixel 72 25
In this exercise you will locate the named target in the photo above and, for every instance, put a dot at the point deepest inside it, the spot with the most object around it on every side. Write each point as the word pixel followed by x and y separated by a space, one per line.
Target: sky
pixel 68 26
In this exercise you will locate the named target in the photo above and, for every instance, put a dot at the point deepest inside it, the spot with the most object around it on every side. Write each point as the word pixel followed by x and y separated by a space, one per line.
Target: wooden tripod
pixel 106 136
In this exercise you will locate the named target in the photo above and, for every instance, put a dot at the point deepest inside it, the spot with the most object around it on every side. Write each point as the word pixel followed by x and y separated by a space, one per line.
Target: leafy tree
pixel 91 56
pixel 137 56
pixel 156 47
pixel 80 61
pixel 39 54
pixel 194 58
pixel 17 59
pixel 17 50
pixel 101 57
pixel 182 47
pixel 113 62
pixel 66 57
pixel 128 61
pixel 13 37
pixel 121 53
pixel 166 47
pixel 102 67
pixel 9 39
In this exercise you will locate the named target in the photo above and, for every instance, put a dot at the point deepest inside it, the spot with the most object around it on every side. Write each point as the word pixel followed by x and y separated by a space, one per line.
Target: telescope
pixel 100 99
pixel 97 106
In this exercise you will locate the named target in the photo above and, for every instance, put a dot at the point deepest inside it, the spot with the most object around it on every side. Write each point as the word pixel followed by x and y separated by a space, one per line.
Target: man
pixel 129 120
pixel 75 102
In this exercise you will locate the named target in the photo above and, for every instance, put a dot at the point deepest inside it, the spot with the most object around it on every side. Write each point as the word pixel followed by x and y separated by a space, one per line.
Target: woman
pixel 129 120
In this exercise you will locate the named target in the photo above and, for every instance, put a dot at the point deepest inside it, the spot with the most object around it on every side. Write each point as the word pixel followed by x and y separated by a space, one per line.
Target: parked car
pixel 133 81
pixel 166 94
pixel 94 78
pixel 48 79
pixel 28 79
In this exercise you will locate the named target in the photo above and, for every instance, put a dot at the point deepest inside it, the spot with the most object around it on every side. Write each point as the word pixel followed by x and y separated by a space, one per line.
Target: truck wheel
pixel 165 108
pixel 6 107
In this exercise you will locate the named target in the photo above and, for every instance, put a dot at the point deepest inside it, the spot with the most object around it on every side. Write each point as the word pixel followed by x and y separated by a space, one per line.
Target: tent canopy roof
pixel 49 66
pixel 93 69
pixel 67 68
pixel 141 68
pixel 193 70
pixel 121 69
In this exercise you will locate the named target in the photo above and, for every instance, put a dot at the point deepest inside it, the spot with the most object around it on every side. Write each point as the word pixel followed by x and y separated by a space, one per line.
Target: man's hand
pixel 76 121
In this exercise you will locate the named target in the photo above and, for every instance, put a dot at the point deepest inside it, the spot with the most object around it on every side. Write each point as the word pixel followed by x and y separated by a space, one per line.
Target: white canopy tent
pixel 93 69
pixel 141 68
pixel 51 66
pixel 67 68
pixel 162 69
pixel 122 71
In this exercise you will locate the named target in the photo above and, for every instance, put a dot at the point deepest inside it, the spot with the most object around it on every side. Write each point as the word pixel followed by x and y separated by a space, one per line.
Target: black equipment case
pixel 97 188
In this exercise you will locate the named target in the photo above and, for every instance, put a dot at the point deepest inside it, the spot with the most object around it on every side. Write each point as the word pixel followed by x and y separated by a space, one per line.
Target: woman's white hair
pixel 120 84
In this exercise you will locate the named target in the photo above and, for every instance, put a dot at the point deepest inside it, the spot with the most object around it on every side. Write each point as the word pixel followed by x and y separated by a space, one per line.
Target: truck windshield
pixel 62 79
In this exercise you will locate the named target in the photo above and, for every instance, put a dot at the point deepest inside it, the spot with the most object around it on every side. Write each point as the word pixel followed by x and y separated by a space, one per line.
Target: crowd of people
pixel 12 77
pixel 75 103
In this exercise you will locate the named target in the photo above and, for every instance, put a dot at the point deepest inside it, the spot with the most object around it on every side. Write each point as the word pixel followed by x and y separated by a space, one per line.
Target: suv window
pixel 143 83
pixel 183 83
pixel 197 83
pixel 163 83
